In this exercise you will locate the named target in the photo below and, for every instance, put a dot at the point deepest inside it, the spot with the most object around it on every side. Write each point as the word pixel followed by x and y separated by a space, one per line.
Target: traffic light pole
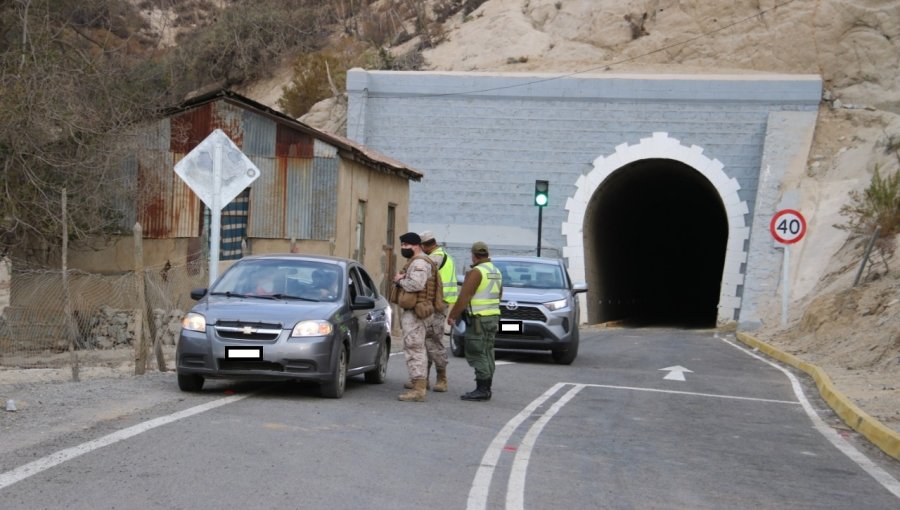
pixel 540 222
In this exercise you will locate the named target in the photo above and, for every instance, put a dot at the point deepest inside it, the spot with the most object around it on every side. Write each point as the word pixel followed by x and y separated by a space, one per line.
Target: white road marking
pixel 481 485
pixel 480 490
pixel 32 468
pixel 881 476
pixel 693 393
pixel 515 489
pixel 515 497
pixel 676 373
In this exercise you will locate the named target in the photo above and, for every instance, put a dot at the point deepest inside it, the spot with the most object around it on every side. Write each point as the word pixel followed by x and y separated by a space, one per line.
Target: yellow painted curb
pixel 881 436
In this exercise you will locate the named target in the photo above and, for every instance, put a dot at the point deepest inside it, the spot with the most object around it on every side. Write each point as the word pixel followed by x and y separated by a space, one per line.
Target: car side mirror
pixel 363 303
pixel 197 294
pixel 580 287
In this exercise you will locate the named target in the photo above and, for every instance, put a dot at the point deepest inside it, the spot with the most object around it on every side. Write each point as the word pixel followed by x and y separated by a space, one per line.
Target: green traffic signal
pixel 541 193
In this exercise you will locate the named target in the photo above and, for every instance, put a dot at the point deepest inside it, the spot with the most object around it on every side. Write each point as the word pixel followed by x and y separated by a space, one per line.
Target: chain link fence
pixel 53 320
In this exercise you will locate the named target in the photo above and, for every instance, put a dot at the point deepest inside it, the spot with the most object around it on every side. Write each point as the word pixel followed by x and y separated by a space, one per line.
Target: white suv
pixel 538 310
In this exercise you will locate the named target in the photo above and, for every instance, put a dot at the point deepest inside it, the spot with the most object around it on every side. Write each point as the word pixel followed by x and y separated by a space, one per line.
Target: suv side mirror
pixel 197 294
pixel 363 303
pixel 580 287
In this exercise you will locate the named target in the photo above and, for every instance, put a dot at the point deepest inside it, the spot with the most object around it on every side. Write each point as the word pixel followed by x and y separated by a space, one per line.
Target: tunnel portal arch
pixel 658 152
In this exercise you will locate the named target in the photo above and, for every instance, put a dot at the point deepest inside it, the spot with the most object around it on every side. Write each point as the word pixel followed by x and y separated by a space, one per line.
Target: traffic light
pixel 541 193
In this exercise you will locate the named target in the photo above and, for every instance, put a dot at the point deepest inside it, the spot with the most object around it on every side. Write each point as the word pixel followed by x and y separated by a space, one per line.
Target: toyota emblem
pixel 512 305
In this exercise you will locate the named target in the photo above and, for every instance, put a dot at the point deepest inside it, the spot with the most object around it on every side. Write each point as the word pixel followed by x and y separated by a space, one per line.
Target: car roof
pixel 302 256
pixel 541 260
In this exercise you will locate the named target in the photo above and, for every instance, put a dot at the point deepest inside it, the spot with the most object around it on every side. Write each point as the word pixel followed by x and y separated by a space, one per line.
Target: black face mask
pixel 406 252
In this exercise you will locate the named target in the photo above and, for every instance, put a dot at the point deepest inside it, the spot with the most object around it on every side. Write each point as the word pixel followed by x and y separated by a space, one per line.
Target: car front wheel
pixel 567 356
pixel 379 374
pixel 335 387
pixel 190 382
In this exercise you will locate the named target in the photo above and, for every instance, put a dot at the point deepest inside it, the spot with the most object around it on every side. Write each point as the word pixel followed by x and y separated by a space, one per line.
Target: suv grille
pixel 522 313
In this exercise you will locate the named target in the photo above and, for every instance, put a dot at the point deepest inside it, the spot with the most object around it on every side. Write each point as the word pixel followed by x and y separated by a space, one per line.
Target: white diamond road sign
pixel 237 171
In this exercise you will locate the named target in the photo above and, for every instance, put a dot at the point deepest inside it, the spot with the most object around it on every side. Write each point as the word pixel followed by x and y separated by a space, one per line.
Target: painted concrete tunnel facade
pixel 482 139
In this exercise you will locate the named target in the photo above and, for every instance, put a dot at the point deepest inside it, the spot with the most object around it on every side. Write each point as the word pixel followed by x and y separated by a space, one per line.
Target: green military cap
pixel 480 248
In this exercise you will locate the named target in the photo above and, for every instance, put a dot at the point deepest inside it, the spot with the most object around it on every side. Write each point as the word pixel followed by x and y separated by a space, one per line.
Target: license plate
pixel 243 352
pixel 511 327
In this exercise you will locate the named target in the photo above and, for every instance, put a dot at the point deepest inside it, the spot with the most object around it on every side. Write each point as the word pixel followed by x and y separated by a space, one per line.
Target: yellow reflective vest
pixel 447 272
pixel 486 300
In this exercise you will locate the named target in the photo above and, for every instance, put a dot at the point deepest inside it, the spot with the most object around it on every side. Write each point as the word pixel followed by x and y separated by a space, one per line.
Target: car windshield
pixel 538 275
pixel 279 278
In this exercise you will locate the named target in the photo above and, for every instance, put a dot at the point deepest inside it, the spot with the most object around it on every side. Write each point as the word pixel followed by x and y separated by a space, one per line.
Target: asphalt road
pixel 613 430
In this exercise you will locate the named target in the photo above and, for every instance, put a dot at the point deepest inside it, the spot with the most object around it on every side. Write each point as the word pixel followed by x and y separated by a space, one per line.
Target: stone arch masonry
pixel 661 146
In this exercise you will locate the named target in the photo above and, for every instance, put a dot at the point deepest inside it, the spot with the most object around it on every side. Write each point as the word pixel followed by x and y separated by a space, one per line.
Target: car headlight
pixel 312 328
pixel 556 305
pixel 194 322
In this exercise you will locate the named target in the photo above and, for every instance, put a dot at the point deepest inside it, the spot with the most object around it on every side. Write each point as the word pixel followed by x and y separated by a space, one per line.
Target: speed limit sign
pixel 788 226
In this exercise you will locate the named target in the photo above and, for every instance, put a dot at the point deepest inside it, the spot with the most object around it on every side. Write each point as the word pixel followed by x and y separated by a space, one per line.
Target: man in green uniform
pixel 480 292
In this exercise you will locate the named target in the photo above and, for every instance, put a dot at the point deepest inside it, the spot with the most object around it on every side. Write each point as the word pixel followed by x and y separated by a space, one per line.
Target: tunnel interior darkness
pixel 655 234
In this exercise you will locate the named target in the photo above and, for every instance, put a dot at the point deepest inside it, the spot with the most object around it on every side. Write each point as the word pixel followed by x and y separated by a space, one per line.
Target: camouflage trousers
pixel 414 344
pixel 434 340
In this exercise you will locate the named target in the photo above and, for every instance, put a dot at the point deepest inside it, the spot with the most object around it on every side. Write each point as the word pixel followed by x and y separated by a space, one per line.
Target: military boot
pixel 441 384
pixel 481 393
pixel 409 384
pixel 416 394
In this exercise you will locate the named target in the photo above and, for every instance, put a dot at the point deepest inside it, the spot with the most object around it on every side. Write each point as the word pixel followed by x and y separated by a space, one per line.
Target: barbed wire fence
pixel 55 319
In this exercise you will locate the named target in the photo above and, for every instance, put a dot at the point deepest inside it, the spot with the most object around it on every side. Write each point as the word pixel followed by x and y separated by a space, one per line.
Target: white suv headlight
pixel 555 305
pixel 312 328
pixel 194 322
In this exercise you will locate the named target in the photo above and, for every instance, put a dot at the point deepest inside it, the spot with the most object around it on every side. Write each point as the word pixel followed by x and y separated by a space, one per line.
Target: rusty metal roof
pixel 347 147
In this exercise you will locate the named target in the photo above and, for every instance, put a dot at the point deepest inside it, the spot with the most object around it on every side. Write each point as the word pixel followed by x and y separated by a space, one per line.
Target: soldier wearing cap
pixel 413 285
pixel 480 292
pixel 434 339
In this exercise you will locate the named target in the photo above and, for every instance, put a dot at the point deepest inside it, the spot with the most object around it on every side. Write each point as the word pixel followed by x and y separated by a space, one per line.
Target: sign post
pixel 217 171
pixel 787 227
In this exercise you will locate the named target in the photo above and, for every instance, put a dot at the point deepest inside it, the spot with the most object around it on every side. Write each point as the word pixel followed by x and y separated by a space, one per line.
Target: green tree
pixel 71 91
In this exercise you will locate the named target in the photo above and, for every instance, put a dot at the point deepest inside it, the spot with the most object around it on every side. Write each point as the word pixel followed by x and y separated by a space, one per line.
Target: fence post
pixel 140 339
pixel 865 259
pixel 157 342
pixel 67 301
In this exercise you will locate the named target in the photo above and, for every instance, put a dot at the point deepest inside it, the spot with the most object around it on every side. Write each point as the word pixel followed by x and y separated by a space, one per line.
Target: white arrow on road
pixel 676 373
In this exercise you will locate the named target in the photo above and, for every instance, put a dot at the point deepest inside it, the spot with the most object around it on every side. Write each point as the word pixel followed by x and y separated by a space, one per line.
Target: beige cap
pixel 480 248
pixel 427 236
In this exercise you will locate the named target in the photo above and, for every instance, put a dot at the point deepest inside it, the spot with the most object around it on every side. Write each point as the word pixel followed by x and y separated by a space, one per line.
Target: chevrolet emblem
pixel 248 330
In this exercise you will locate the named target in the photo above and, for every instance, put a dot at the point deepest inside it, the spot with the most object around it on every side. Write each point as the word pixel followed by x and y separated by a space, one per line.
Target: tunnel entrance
pixel 655 234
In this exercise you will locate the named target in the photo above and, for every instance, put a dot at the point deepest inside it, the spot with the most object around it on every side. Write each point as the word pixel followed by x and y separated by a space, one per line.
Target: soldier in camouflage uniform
pixel 413 280
pixel 434 338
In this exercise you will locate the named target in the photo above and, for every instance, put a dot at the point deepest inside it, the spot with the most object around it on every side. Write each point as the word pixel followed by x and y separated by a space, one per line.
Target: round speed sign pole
pixel 787 227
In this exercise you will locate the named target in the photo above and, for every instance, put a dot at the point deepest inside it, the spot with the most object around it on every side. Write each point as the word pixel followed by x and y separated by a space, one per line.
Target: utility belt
pixel 473 321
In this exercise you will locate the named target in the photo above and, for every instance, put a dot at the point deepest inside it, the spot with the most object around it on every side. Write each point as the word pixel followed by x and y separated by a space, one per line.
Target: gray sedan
pixel 287 316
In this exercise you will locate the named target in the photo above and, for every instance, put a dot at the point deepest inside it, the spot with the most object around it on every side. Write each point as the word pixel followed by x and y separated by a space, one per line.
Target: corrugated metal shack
pixel 308 195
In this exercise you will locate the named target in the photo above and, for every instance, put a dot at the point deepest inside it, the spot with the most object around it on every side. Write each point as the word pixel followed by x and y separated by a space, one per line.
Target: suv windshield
pixel 536 275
